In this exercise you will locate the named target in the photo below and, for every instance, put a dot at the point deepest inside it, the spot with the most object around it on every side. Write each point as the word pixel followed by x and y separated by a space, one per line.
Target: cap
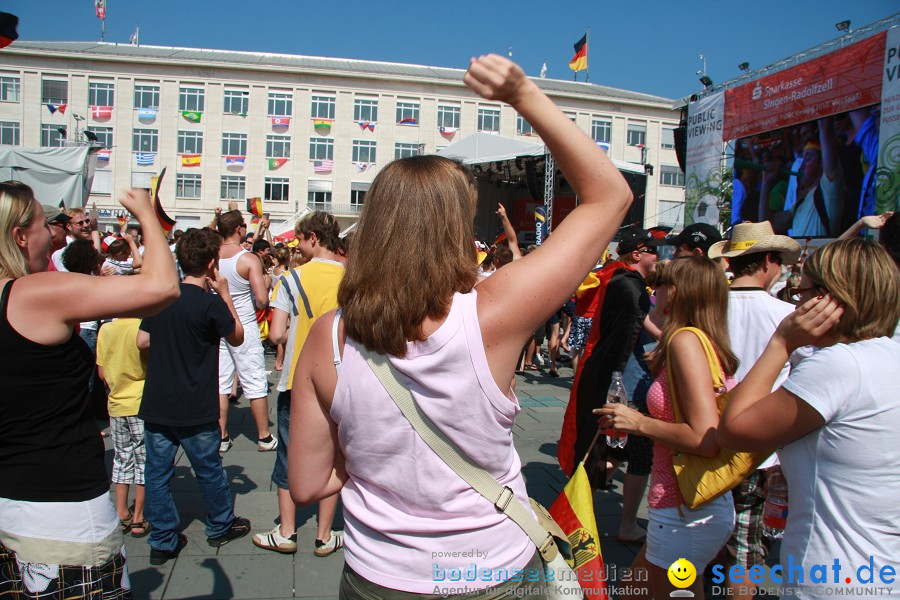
pixel 636 238
pixel 697 235
pixel 55 215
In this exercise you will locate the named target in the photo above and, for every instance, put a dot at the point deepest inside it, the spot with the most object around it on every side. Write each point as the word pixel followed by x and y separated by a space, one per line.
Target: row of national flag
pixel 146 159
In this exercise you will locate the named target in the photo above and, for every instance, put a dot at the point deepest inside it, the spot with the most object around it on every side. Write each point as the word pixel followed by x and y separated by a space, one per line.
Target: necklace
pixel 230 244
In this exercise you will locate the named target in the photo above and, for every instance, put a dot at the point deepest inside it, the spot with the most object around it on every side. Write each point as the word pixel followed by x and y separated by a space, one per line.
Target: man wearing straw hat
pixel 755 254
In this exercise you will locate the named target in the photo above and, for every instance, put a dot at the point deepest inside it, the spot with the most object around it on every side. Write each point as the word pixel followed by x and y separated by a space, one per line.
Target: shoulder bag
pixel 702 479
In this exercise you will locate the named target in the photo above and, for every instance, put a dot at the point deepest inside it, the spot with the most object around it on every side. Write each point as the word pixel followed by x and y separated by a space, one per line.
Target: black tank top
pixel 50 447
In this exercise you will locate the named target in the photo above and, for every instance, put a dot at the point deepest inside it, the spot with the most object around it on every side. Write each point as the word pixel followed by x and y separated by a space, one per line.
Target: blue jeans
pixel 279 472
pixel 201 446
pixel 90 338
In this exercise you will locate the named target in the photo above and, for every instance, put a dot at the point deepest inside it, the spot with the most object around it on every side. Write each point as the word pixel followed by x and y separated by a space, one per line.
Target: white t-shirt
pixel 843 482
pixel 122 267
pixel 753 316
pixel 806 221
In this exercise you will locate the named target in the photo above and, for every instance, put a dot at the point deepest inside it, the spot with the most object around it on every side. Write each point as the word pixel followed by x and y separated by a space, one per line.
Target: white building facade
pixel 296 131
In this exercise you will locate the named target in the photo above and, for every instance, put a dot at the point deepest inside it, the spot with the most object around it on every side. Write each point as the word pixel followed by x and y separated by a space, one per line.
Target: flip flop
pixel 126 522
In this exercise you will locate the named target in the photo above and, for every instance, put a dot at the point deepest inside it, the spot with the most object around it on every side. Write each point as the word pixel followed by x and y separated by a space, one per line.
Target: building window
pixel 364 151
pixel 144 140
pixel 448 116
pixel 9 133
pixel 52 136
pixel 405 149
pixel 187 185
pixel 636 134
pixel 668 138
pixel 322 107
pixel 190 98
pixel 232 187
pixel 277 189
pixel 9 89
pixel 670 175
pixel 319 200
pixel 365 109
pixel 488 119
pixel 104 135
pixel 281 105
pixel 523 127
pixel 278 146
pixel 101 184
pixel 358 191
pixel 237 102
pixel 321 149
pixel 409 112
pixel 234 144
pixel 190 142
pixel 146 96
pixel 54 91
pixel 601 130
pixel 101 93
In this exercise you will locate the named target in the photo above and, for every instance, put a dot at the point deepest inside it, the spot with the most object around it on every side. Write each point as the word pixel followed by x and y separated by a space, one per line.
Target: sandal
pixel 126 522
pixel 144 527
pixel 532 367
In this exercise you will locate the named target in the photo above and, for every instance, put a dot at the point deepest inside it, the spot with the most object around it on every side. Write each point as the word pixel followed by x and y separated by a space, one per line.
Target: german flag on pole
pixel 167 222
pixel 8 29
pixel 255 207
pixel 579 61
pixel 573 510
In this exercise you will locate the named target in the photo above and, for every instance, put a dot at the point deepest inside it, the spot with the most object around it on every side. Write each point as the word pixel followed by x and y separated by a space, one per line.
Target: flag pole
pixel 591 447
pixel 587 55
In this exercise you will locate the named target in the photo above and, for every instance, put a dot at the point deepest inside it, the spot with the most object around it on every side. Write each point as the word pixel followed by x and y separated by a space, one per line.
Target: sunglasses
pixel 82 222
pixel 647 250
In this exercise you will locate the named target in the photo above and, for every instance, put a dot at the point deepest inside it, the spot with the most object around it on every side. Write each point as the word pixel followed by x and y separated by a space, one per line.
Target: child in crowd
pixel 123 255
pixel 123 368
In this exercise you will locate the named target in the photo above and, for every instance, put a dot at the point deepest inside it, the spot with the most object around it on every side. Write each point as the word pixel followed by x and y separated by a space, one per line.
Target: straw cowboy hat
pixel 750 238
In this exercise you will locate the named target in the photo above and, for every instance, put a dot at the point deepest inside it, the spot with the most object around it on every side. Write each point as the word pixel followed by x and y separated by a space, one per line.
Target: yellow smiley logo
pixel 682 573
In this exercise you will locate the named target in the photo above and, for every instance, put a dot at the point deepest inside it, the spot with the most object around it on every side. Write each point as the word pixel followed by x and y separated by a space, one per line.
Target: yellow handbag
pixel 702 479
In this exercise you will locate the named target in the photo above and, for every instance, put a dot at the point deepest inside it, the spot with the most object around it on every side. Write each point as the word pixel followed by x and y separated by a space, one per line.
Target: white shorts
pixel 697 536
pixel 250 363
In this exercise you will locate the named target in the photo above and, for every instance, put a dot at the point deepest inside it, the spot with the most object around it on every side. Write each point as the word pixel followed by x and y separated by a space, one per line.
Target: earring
pixel 666 310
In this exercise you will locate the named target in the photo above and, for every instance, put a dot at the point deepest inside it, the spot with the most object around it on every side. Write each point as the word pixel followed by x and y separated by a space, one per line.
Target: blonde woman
pixel 835 418
pixel 691 292
pixel 59 531
pixel 456 346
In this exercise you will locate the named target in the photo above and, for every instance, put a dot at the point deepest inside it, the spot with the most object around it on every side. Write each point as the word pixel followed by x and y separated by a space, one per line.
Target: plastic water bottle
pixel 775 511
pixel 616 395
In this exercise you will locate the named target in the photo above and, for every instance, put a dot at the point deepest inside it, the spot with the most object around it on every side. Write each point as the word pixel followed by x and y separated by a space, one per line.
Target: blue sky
pixel 650 46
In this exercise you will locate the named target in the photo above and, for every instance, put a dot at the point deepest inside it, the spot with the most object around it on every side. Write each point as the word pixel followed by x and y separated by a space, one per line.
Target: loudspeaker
pixel 531 181
pixel 681 144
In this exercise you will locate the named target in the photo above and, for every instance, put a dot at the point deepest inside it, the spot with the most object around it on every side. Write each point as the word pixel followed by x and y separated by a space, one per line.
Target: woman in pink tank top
pixel 692 292
pixel 412 523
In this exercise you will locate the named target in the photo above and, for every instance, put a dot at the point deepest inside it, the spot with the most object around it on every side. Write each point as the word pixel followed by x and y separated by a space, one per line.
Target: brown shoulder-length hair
pixel 701 301
pixel 861 275
pixel 421 206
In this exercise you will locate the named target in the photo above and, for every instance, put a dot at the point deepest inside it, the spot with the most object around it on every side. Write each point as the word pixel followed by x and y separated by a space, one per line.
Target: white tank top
pixel 241 294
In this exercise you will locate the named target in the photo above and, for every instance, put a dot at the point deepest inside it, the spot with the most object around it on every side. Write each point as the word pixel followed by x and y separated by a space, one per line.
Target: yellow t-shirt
pixel 306 293
pixel 123 366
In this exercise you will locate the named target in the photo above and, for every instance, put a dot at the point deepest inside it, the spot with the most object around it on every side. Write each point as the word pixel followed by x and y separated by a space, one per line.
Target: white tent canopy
pixel 487 147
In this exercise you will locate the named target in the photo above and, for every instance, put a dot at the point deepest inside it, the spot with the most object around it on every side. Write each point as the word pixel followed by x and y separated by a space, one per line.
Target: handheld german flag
pixel 573 510
pixel 167 222
pixel 579 62
pixel 255 206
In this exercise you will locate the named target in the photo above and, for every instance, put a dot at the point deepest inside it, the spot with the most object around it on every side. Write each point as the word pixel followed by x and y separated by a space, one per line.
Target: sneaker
pixel 239 528
pixel 160 557
pixel 273 540
pixel 267 446
pixel 336 542
pixel 225 445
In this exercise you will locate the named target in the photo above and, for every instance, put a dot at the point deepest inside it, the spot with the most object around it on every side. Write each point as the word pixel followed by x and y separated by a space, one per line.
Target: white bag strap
pixel 334 341
pixel 500 496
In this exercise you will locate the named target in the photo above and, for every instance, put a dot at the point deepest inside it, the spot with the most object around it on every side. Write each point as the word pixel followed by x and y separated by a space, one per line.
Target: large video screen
pixel 813 179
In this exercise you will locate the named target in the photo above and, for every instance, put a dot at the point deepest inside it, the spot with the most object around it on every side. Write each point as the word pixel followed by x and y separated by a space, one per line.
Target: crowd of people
pixel 165 330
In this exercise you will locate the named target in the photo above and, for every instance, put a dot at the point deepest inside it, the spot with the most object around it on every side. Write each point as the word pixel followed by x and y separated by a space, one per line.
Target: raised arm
pixel 53 302
pixel 136 259
pixel 511 303
pixel 257 279
pixel 511 239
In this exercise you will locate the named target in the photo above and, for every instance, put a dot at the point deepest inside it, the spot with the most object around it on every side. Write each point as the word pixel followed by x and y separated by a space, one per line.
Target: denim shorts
pixel 696 535
pixel 279 472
